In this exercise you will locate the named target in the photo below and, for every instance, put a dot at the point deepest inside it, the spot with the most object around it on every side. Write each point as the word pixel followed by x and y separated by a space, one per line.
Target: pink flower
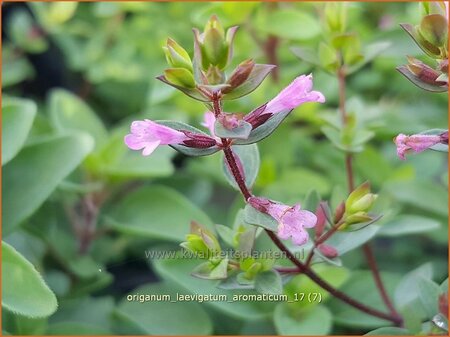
pixel 292 221
pixel 208 121
pixel 147 136
pixel 295 94
pixel 417 143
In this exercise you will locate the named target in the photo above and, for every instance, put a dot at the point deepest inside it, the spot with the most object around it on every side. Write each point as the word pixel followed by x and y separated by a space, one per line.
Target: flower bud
pixel 363 204
pixel 424 72
pixel 443 304
pixel 201 241
pixel 176 56
pixel 239 75
pixel 180 77
pixel 328 251
pixel 356 218
pixel 198 141
pixel 336 16
pixel 229 121
pixel 215 46
pixel 358 203
pixel 321 220
pixel 434 29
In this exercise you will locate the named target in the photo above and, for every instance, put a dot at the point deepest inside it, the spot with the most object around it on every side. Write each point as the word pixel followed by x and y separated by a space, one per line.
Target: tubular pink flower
pixel 416 143
pixel 295 94
pixel 208 121
pixel 292 221
pixel 147 135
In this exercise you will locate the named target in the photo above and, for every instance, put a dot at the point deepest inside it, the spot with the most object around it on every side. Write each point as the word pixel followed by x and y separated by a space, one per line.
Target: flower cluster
pixel 431 35
pixel 203 78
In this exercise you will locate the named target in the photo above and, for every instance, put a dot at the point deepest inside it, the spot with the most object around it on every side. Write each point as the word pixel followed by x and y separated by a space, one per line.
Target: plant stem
pixel 229 156
pixel 351 186
pixel 370 257
pixel 302 267
pixel 324 237
pixel 328 287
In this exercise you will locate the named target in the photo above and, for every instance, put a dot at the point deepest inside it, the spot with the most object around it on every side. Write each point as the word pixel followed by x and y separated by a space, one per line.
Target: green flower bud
pixel 180 77
pixel 202 242
pixel 356 218
pixel 357 194
pixel 434 29
pixel 363 204
pixel 336 16
pixel 213 46
pixel 252 271
pixel 176 56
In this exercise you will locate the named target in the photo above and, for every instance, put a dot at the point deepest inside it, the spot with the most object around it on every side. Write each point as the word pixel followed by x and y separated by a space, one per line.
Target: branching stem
pixel 302 268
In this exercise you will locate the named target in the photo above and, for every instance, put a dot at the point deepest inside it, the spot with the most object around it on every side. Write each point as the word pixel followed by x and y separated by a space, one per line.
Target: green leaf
pixel 361 287
pixel 389 331
pixel 256 77
pixel 226 234
pixel 16 68
pixel 17 118
pixel 412 319
pixel 30 178
pixel 312 200
pixel 265 129
pixel 249 159
pixel 301 284
pixel 23 31
pixel 269 282
pixel 346 241
pixel 60 12
pixel 24 292
pixel 434 28
pixel 89 314
pixel 68 113
pixel 189 151
pixel 306 54
pixel 370 52
pixel 210 271
pixel 426 195
pixel 408 224
pixel 291 24
pixel 257 218
pixel 163 317
pixel 149 211
pixel 315 321
pixel 75 329
pixel 242 131
pixel 429 296
pixel 407 290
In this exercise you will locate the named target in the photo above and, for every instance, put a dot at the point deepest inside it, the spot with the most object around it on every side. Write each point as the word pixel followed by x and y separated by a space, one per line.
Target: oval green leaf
pixel 24 292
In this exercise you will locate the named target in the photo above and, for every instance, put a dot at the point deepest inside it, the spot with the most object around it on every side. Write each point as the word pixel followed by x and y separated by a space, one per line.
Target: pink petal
pixel 308 219
pixel 300 238
pixel 150 147
pixel 208 121
pixel 295 94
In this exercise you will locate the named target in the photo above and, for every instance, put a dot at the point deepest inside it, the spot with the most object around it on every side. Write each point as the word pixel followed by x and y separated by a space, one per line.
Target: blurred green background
pixel 83 209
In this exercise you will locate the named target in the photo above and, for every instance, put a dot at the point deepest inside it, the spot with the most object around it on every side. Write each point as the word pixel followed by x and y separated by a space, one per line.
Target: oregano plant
pixel 236 135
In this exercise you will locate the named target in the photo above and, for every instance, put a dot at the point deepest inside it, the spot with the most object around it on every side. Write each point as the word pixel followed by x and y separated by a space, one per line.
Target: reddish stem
pixel 229 156
pixel 324 237
pixel 351 186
